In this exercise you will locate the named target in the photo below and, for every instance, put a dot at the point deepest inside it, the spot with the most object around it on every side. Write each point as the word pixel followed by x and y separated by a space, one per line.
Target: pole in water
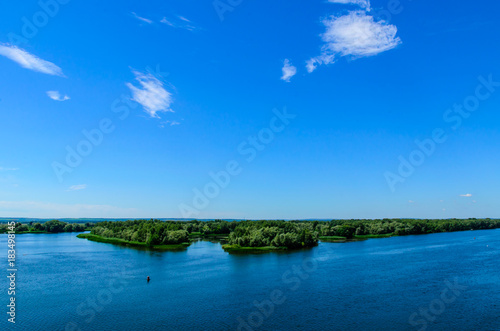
pixel 148 279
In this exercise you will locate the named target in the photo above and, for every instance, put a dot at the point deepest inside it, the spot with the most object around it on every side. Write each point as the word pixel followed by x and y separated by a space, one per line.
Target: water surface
pixel 66 283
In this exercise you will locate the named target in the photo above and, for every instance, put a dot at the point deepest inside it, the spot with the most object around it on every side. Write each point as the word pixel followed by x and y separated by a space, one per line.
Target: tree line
pixel 401 227
pixel 290 234
pixel 53 226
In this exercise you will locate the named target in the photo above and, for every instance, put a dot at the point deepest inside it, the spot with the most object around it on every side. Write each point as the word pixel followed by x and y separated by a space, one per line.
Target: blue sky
pixel 249 109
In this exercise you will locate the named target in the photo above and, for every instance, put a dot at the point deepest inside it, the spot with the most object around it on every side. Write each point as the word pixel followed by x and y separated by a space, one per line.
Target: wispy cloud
pixel 288 71
pixel 55 95
pixel 361 3
pixel 29 61
pixel 77 187
pixel 411 201
pixel 468 195
pixel 8 169
pixel 354 35
pixel 179 22
pixel 141 18
pixel 169 123
pixel 151 95
pixel 53 210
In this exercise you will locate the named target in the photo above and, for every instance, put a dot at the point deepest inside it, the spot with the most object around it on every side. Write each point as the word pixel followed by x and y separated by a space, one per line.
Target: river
pixel 437 281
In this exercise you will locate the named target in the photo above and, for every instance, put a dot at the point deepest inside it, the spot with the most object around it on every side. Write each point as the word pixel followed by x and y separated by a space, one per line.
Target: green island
pixel 251 236
pixel 116 241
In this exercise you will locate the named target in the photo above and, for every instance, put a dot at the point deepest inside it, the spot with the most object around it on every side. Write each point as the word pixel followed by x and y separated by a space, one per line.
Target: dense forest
pixel 274 233
pixel 279 234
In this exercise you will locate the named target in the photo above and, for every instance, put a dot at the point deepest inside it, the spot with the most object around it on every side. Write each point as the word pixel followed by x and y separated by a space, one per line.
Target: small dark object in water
pixel 148 279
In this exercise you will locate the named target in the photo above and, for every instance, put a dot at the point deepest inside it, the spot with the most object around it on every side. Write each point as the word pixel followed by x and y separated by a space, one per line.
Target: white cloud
pixel 8 169
pixel 151 95
pixel 411 201
pixel 55 95
pixel 53 210
pixel 288 71
pixel 77 187
pixel 361 3
pixel 29 61
pixel 468 195
pixel 142 18
pixel 179 22
pixel 354 35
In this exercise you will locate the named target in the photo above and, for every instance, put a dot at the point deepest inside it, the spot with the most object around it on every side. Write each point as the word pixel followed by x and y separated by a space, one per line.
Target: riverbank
pixel 122 242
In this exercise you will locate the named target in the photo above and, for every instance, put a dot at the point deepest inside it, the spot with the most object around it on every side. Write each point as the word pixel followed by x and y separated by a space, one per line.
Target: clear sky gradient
pixel 249 109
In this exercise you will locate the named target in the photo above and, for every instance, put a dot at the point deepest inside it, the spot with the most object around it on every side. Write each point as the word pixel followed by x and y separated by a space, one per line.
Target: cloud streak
pixel 142 19
pixel 29 61
pixel 55 95
pixel 169 123
pixel 179 22
pixel 354 35
pixel 53 210
pixel 77 187
pixel 151 94
pixel 8 169
pixel 468 195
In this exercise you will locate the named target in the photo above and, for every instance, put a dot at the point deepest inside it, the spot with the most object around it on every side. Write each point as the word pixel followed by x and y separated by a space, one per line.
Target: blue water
pixel 66 283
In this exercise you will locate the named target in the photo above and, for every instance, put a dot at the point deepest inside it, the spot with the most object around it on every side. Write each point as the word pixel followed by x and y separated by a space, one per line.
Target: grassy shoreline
pixel 122 242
